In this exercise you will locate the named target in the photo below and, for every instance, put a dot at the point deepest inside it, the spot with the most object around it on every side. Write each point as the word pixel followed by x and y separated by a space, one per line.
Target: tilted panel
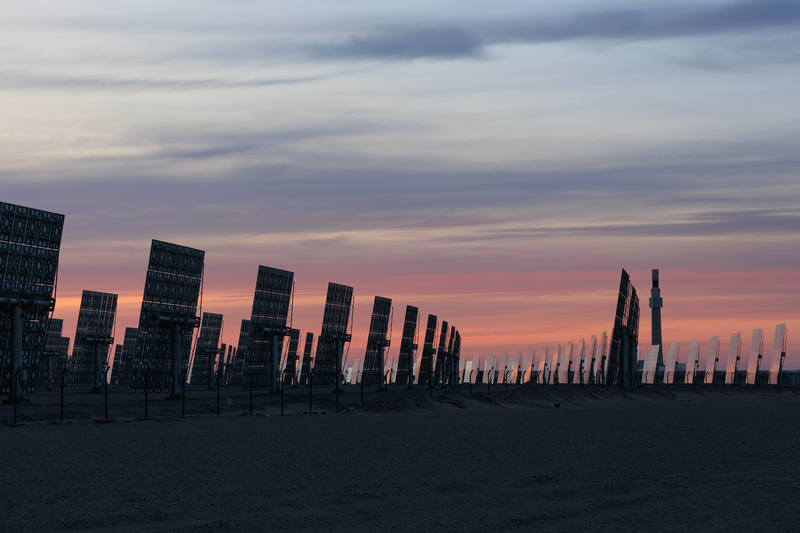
pixel 335 322
pixel 30 240
pixel 547 365
pixel 96 318
pixel 272 303
pixel 427 350
pixel 406 357
pixel 171 289
pixel 691 362
pixel 488 368
pixel 123 373
pixel 206 349
pixel 290 374
pixel 754 362
pixel 599 367
pixel 441 353
pixel 52 349
pixel 235 377
pixel 734 353
pixel 378 329
pixel 669 363
pixel 305 368
pixel 778 353
pixel 712 360
pixel 627 315
pixel 650 365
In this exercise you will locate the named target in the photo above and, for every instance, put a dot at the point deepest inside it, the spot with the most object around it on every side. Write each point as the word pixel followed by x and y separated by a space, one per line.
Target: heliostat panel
pixel 171 288
pixel 206 348
pixel 427 348
pixel 96 318
pixel 335 321
pixel 29 243
pixel 378 331
pixel 406 357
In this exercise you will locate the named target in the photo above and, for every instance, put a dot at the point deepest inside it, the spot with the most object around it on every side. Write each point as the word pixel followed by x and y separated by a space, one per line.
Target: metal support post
pixel 282 373
pixel 105 390
pixel 16 351
pixel 64 371
pixel 310 391
pixel 176 359
pixel 275 385
pixel 251 392
pixel 218 378
pixel 146 389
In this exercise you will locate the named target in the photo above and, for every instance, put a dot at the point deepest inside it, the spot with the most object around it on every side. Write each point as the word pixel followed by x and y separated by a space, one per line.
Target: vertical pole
pixel 339 357
pixel 62 393
pixel 16 350
pixel 281 396
pixel 105 391
pixel 382 384
pixel 273 367
pixel 146 386
pixel 176 359
pixel 183 394
pixel 218 377
pixel 97 365
pixel 251 392
pixel 14 399
pixel 310 391
pixel 470 382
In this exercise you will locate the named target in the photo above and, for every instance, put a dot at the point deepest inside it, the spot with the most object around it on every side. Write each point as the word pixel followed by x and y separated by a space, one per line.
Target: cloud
pixel 399 43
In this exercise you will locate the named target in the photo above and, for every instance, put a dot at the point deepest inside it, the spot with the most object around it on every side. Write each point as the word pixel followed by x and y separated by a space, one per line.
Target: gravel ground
pixel 652 460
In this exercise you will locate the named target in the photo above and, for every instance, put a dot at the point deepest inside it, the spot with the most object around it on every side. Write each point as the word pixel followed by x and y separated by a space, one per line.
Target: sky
pixel 495 164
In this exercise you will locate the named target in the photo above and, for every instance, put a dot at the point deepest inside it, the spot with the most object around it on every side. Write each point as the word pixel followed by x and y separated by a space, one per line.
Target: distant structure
pixel 656 303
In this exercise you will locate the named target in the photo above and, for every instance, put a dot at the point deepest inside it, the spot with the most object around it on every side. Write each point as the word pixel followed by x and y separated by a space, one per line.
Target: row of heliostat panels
pixel 734 357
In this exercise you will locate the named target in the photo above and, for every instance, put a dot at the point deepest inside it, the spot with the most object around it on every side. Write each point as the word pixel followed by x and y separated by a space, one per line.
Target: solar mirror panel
pixel 626 318
pixel 305 368
pixel 427 348
pixel 562 364
pixel 548 364
pixel 290 374
pixel 378 331
pixel 406 356
pixel 669 363
pixel 206 348
pixel 126 357
pixel 241 350
pixel 52 348
pixel 691 362
pixel 734 352
pixel 778 353
pixel 598 366
pixel 711 361
pixel 30 240
pixel 756 350
pixel 650 368
pixel 96 318
pixel 440 354
pixel 115 365
pixel 171 289
pixel 335 323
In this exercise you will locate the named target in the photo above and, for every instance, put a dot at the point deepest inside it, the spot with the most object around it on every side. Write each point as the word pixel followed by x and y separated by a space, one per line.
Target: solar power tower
pixel 94 336
pixel 290 375
pixel 29 243
pixel 167 319
pixel 123 373
pixel 336 327
pixel 379 339
pixel 622 361
pixel 241 351
pixel 405 361
pixel 270 322
pixel 305 367
pixel 426 360
pixel 51 353
pixel 205 351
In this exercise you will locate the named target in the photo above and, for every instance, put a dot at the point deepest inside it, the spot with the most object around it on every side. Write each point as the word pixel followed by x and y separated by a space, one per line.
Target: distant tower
pixel 656 303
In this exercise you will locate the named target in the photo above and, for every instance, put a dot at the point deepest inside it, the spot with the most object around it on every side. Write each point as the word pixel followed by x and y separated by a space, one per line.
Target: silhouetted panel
pixel 427 351
pixel 241 350
pixel 756 351
pixel 624 336
pixel 96 318
pixel 206 349
pixel 440 354
pixel 778 354
pixel 669 363
pixel 691 362
pixel 734 354
pixel 52 349
pixel 335 323
pixel 712 360
pixel 378 331
pixel 171 289
pixel 121 375
pixel 305 368
pixel 29 243
pixel 290 374
pixel 406 358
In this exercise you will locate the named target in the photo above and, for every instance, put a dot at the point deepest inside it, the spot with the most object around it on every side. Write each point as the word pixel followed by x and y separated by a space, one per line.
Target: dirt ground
pixel 650 460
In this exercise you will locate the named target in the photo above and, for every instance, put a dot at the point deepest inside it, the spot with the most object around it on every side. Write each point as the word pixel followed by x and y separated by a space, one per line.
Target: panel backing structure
pixel 756 351
pixel 441 353
pixel 427 350
pixel 598 367
pixel 206 348
pixel 305 367
pixel 52 349
pixel 96 319
pixel 408 345
pixel 171 289
pixel 30 240
pixel 712 360
pixel 290 374
pixel 272 305
pixel 691 362
pixel 734 354
pixel 625 336
pixel 650 365
pixel 235 377
pixel 778 354
pixel 379 325
pixel 121 375
pixel 335 323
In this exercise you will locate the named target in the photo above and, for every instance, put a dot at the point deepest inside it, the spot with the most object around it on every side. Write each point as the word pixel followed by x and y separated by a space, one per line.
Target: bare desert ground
pixel 650 460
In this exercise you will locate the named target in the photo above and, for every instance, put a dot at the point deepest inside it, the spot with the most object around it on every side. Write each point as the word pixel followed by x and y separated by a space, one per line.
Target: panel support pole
pixel 14 391
pixel 98 364
pixel 339 357
pixel 274 382
pixel 176 360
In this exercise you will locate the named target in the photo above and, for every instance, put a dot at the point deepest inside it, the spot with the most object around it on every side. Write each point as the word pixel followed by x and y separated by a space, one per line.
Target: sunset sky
pixel 493 163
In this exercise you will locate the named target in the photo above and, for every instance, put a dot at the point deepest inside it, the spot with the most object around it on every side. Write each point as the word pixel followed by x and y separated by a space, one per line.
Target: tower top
pixel 655 274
